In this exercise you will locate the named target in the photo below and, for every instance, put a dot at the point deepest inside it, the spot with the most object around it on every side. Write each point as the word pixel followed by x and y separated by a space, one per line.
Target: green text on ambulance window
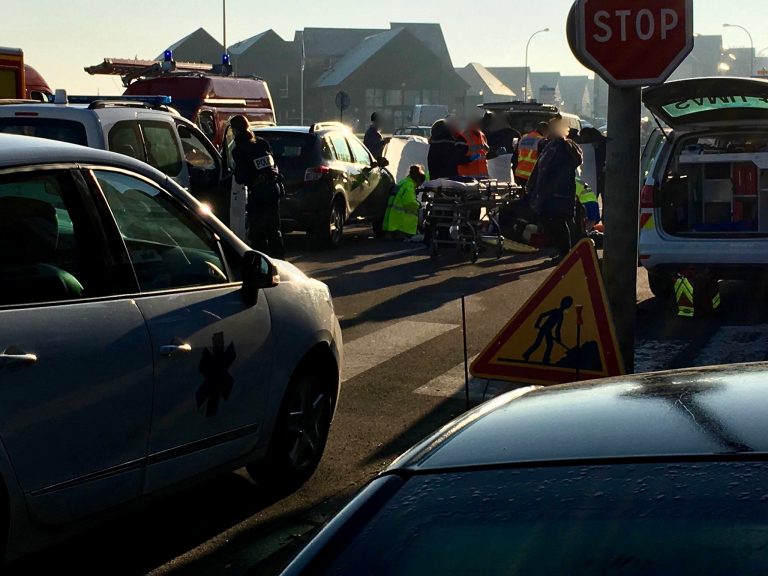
pixel 708 104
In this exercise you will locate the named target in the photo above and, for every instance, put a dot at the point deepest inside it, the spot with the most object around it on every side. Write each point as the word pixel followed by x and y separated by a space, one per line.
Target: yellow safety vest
pixel 527 155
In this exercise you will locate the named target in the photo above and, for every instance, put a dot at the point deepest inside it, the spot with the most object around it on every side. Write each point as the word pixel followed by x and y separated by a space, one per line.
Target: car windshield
pixel 707 518
pixel 50 128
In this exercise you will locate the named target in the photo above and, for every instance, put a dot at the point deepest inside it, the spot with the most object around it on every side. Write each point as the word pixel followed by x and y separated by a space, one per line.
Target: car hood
pixel 700 101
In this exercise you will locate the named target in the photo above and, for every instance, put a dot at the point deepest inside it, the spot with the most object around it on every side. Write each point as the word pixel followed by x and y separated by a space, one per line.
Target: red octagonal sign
pixel 633 42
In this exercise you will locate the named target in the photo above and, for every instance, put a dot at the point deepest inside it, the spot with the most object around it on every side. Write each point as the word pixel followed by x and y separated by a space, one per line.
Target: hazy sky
pixel 60 37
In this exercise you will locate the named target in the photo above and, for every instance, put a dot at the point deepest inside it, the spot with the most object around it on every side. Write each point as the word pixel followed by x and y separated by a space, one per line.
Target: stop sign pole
pixel 630 44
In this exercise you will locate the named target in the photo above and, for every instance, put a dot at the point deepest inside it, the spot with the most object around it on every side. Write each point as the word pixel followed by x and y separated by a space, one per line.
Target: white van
pixel 428 114
pixel 704 204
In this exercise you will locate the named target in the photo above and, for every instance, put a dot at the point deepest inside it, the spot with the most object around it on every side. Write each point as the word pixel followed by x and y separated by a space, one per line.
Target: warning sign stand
pixel 563 333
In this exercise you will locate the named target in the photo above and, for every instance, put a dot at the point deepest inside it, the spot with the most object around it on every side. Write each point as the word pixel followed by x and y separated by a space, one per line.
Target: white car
pixel 144 128
pixel 142 344
pixel 704 204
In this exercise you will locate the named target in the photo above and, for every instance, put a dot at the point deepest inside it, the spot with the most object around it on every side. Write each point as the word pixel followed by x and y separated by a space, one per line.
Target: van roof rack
pixel 321 125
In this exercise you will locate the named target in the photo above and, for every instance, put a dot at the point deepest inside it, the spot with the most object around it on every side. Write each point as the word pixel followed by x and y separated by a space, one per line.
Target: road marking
pixel 451 384
pixel 732 344
pixel 655 355
pixel 376 348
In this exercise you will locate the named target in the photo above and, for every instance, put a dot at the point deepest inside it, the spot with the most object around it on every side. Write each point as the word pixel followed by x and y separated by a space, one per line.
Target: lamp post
pixel 751 46
pixel 527 73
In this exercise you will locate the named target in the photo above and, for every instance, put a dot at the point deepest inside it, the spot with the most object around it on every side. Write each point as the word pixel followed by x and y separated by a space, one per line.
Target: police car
pixel 142 344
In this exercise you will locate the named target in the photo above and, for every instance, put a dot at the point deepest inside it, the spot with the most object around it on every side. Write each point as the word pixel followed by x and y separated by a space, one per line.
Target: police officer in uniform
pixel 255 168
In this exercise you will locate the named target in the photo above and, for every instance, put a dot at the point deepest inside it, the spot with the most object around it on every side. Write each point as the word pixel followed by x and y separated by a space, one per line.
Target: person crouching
pixel 402 216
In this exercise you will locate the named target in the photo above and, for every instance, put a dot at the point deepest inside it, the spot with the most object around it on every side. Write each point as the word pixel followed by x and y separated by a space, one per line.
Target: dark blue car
pixel 655 474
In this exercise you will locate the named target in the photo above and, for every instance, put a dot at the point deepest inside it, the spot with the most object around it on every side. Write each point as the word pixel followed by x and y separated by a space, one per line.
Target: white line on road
pixel 732 344
pixel 451 384
pixel 376 348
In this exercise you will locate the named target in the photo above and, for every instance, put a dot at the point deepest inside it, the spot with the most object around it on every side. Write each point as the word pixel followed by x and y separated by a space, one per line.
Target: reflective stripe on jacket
pixel 527 154
pixel 403 213
pixel 587 198
pixel 478 150
pixel 684 297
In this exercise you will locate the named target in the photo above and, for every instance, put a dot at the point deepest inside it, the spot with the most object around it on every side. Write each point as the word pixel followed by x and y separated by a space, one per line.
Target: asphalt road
pixel 401 317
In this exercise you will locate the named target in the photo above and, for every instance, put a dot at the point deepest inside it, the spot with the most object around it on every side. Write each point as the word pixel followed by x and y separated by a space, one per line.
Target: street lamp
pixel 527 72
pixel 751 46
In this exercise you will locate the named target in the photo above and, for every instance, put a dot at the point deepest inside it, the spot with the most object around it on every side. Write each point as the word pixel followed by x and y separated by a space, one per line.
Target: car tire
pixel 662 284
pixel 300 435
pixel 330 228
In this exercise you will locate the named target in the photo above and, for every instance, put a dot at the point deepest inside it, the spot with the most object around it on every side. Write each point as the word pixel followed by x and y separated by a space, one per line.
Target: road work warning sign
pixel 563 333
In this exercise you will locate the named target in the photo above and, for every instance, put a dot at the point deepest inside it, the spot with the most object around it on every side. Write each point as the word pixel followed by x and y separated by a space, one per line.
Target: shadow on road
pixel 137 542
pixel 423 298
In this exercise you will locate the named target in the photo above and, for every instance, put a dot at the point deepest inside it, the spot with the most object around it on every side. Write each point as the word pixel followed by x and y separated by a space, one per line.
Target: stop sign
pixel 632 42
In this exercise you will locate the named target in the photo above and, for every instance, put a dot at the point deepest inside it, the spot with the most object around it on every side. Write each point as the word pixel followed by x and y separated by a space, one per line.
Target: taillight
pixel 647 199
pixel 314 174
pixel 647 196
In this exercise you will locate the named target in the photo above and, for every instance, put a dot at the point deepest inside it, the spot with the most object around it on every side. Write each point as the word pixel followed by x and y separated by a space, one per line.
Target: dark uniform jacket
pixel 552 186
pixel 255 167
pixel 446 152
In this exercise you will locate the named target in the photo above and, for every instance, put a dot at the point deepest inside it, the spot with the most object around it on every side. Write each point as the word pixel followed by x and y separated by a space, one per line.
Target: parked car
pixel 145 128
pixel 143 346
pixel 423 131
pixel 652 474
pixel 330 179
pixel 705 200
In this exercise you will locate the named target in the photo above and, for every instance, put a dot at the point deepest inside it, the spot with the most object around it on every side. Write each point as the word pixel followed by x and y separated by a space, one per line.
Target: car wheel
pixel 662 284
pixel 330 229
pixel 299 438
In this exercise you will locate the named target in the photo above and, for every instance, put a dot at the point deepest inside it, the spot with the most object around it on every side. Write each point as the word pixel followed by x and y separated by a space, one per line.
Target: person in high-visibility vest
pixel 702 300
pixel 402 215
pixel 477 167
pixel 528 150
pixel 588 200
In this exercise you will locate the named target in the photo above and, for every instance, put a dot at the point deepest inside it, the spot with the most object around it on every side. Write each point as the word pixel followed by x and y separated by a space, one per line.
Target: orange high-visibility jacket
pixel 478 148
pixel 527 154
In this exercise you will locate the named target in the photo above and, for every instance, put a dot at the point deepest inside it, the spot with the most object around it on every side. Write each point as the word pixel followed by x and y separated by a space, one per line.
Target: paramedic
pixel 529 149
pixel 402 216
pixel 477 151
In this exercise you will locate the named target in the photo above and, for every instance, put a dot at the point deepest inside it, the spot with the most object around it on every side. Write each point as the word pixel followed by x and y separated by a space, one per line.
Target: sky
pixel 60 37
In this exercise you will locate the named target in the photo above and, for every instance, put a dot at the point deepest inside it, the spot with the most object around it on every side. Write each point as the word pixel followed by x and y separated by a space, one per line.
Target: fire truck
pixel 19 81
pixel 202 93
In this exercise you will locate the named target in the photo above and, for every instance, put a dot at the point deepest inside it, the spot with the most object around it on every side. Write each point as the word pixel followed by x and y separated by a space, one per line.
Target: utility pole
pixel 621 208
pixel 224 19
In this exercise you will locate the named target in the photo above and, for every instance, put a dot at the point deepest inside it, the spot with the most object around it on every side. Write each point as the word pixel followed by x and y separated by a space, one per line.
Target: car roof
pixel 689 413
pixel 26 150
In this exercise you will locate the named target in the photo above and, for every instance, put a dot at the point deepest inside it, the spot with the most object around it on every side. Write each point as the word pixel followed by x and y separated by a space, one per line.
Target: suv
pixel 144 128
pixel 704 204
pixel 330 178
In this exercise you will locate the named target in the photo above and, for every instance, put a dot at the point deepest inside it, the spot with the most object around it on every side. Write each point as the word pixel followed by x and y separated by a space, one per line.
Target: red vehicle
pixel 197 93
pixel 12 74
pixel 19 81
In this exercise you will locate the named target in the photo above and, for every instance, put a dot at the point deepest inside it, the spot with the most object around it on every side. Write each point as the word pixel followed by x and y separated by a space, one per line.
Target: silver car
pixel 143 345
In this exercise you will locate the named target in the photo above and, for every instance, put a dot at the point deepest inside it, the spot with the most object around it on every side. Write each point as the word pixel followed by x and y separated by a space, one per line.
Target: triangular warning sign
pixel 565 328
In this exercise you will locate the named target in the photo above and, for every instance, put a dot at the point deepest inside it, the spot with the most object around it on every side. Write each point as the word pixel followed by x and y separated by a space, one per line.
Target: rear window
pixel 49 128
pixel 291 149
pixel 666 518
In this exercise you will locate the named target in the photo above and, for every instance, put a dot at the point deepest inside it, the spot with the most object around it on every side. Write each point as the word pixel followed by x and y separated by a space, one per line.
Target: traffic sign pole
pixel 621 209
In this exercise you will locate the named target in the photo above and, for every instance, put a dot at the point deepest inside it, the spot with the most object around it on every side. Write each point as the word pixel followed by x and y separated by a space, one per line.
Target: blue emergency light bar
pixel 225 60
pixel 168 55
pixel 150 100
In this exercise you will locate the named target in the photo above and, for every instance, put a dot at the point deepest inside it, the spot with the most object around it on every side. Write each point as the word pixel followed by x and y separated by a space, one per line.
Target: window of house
pixel 394 98
pixel 412 97
pixel 374 98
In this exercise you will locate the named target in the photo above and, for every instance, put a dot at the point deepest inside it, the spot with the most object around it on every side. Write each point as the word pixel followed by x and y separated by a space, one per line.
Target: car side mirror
pixel 258 274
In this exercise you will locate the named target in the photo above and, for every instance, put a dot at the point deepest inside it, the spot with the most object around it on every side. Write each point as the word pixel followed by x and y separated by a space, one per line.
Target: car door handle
pixel 20 358
pixel 171 349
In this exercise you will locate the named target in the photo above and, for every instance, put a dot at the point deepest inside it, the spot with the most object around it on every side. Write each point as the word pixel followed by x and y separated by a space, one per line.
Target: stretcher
pixel 463 214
